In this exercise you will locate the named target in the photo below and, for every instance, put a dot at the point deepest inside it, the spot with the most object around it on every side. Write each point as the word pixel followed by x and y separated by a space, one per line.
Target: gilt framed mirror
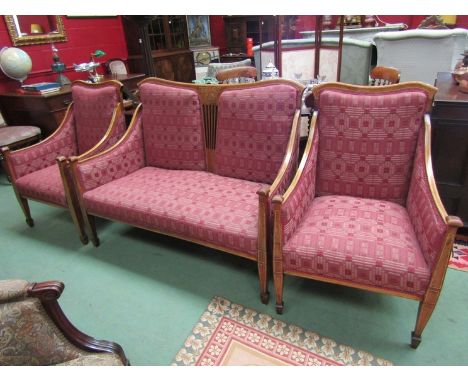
pixel 35 29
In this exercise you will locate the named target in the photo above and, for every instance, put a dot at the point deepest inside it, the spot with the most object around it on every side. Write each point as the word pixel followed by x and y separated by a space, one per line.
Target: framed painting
pixel 198 29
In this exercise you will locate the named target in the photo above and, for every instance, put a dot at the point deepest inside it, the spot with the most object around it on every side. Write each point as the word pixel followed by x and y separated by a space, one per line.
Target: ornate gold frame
pixel 18 40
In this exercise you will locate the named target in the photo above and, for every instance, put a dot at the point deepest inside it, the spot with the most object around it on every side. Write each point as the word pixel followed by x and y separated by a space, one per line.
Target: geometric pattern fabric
pixel 367 143
pixel 364 241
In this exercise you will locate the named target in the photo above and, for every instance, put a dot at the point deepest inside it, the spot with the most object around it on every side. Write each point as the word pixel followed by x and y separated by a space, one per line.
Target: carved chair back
pixel 383 75
pixel 242 127
pixel 115 66
pixel 367 138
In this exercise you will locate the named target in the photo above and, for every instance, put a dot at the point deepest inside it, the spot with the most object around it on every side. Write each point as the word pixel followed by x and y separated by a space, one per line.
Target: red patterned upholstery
pixel 44 184
pixel 361 211
pixel 172 126
pixel 194 204
pixel 126 158
pixel 253 131
pixel 365 241
pixel 94 107
pixel 367 143
pixel 43 154
pixel 425 218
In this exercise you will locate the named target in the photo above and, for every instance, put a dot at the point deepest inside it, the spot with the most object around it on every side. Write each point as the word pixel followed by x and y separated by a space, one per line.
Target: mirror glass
pixel 35 29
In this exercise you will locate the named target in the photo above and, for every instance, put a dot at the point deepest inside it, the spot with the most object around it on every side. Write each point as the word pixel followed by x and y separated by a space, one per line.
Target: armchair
pixel 93 122
pixel 199 163
pixel 35 331
pixel 363 210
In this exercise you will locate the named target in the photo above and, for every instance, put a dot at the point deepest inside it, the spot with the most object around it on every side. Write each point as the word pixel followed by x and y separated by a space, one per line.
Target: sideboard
pixel 47 111
pixel 450 146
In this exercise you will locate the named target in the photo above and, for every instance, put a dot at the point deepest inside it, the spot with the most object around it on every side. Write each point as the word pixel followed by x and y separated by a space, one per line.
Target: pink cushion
pixel 194 204
pixel 364 241
pixel 253 130
pixel 367 143
pixel 45 185
pixel 172 127
pixel 93 113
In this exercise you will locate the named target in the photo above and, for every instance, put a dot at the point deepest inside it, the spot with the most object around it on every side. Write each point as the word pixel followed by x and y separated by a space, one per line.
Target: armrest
pixel 115 131
pixel 289 166
pixel 424 206
pixel 125 157
pixel 301 192
pixel 36 157
pixel 13 290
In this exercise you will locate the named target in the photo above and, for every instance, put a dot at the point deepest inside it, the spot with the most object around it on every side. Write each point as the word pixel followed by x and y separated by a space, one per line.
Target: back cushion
pixel 93 107
pixel 367 142
pixel 172 127
pixel 254 126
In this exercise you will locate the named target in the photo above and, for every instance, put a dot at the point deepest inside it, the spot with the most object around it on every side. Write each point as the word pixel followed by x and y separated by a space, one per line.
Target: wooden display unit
pixel 168 47
pixel 450 146
pixel 47 111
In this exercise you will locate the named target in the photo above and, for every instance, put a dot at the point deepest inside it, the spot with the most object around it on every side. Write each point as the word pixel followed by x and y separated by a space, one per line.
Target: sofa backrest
pixel 253 129
pixel 94 105
pixel 367 138
pixel 172 127
pixel 215 67
pixel 420 54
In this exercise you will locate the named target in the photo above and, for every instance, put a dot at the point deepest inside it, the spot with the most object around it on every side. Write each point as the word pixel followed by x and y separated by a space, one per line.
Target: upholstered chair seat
pixel 35 332
pixel 93 122
pixel 365 241
pixel 363 209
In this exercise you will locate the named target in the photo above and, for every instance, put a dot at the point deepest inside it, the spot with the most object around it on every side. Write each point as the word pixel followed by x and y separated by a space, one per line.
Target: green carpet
pixel 146 291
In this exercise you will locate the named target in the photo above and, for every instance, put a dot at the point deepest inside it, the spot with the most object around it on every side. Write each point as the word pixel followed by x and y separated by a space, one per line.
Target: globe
pixel 15 63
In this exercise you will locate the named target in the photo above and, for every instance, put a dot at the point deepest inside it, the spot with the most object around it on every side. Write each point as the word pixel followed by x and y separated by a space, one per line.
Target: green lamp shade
pixel 99 53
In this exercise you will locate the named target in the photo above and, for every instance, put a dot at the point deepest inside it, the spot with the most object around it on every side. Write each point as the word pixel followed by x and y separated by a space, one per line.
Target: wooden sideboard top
pixel 448 89
pixel 67 88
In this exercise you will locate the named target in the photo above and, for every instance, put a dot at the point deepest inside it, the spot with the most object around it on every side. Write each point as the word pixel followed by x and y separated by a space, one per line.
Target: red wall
pixel 218 38
pixel 85 35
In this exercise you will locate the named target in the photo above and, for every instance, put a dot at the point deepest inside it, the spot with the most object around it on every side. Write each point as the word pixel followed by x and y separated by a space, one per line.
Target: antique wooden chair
pixel 93 122
pixel 36 332
pixel 237 75
pixel 383 75
pixel 201 163
pixel 363 209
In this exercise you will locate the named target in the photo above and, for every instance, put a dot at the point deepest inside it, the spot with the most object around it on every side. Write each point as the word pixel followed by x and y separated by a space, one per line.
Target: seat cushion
pixel 45 185
pixel 193 204
pixel 364 241
pixel 94 359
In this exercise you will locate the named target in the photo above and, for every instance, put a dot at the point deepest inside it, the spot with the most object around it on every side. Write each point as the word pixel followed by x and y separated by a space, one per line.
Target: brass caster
pixel 30 222
pixel 415 340
pixel 84 239
pixel 279 308
pixel 265 297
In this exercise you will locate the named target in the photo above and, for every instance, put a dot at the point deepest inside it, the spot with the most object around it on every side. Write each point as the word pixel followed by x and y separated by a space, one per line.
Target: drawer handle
pixel 67 101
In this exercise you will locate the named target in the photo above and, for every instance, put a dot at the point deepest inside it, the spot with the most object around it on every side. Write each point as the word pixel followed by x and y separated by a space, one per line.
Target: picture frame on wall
pixel 198 30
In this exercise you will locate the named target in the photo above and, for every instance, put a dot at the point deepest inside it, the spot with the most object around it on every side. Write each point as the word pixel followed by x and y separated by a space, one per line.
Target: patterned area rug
pixel 230 334
pixel 459 258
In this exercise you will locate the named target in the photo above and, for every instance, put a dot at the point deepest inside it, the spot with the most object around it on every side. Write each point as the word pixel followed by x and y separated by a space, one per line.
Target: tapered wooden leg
pixel 263 277
pixel 27 212
pixel 279 282
pixel 424 314
pixel 91 227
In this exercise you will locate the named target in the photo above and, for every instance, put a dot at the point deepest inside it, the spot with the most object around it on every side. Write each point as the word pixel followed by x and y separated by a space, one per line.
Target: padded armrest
pixel 43 154
pixel 125 157
pixel 13 290
pixel 425 209
pixel 302 189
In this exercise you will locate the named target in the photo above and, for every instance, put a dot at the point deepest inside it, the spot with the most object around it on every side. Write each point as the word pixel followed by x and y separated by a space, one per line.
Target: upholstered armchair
pixel 363 209
pixel 93 122
pixel 200 163
pixel 35 331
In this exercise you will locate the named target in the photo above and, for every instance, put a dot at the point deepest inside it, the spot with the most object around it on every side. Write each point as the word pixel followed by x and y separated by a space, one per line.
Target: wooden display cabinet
pixel 168 44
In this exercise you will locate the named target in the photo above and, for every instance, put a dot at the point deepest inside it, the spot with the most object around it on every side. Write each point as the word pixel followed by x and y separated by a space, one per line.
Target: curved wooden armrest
pixel 48 293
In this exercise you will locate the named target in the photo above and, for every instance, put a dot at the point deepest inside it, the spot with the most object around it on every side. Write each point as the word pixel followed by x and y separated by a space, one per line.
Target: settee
pixel 199 162
pixel 421 53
